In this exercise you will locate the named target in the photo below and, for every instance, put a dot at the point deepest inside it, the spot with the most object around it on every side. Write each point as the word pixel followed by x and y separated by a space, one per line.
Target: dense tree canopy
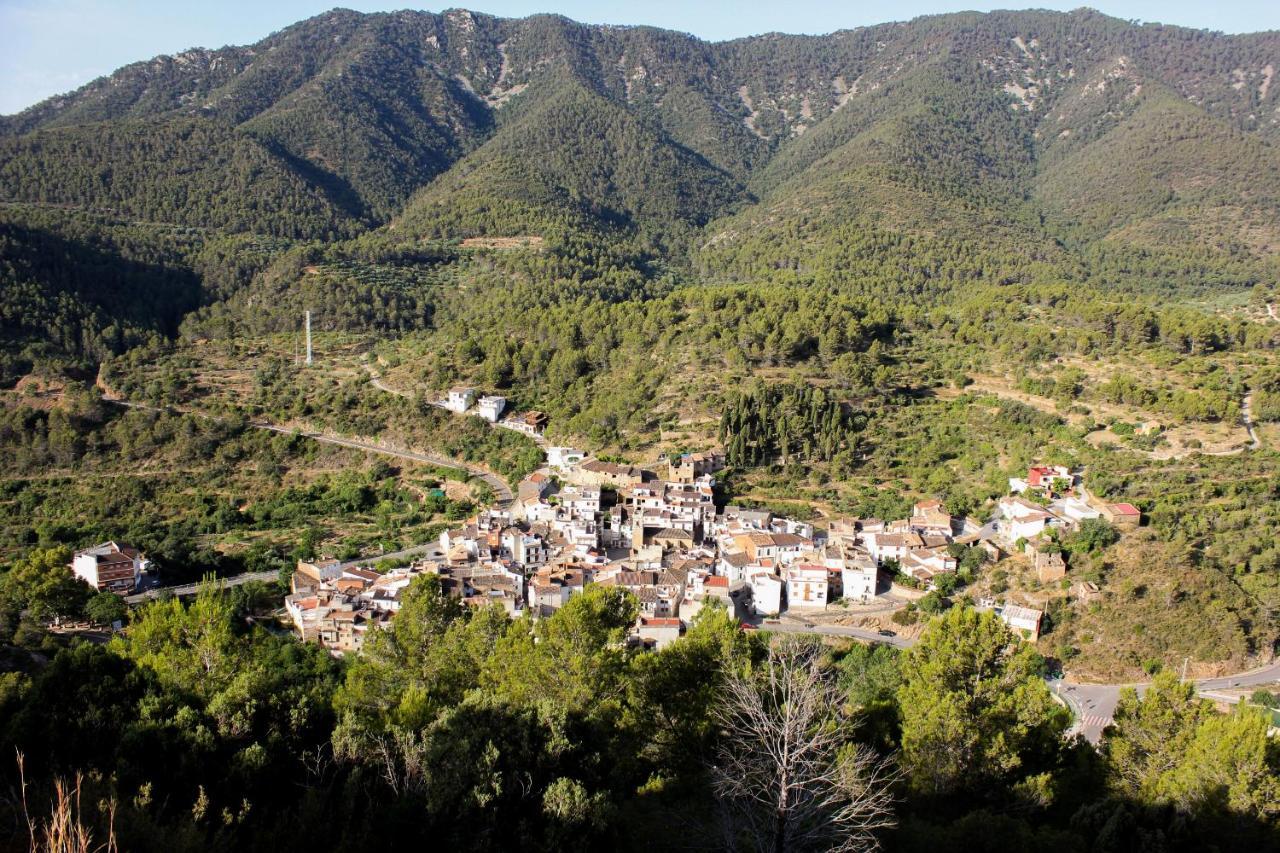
pixel 976 718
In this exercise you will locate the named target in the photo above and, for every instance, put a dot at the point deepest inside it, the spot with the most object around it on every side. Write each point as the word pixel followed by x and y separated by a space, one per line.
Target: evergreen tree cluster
pixel 782 423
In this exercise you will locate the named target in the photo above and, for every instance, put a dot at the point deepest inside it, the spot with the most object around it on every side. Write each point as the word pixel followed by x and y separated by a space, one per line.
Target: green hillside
pixel 906 160
pixel 571 158
pixel 1167 173
pixel 932 160
pixel 191 172
pixel 88 298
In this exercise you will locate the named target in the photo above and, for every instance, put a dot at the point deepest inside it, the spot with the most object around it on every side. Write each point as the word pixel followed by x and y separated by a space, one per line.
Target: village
pixel 658 533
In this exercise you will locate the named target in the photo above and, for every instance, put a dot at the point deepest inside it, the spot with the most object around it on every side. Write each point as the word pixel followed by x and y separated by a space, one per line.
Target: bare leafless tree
pixel 787 774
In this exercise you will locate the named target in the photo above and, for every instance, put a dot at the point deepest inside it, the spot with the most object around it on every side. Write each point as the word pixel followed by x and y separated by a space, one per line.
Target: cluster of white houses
pixel 491 407
pixel 582 521
pixel 1022 523
pixel 660 535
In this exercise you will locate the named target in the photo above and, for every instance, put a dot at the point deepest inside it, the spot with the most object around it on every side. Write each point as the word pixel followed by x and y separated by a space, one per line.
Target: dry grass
pixel 1155 606
pixel 225 370
pixel 37 392
pixel 64 830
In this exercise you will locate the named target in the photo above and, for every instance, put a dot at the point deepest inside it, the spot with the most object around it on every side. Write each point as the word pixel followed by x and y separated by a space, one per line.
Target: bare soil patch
pixel 38 392
pixel 456 491
pixel 527 241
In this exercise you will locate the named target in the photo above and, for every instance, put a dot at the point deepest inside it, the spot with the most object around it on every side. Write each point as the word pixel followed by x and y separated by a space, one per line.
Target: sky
pixel 48 47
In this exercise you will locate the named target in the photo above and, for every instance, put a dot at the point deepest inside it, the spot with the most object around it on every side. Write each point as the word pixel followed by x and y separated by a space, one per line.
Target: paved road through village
pixel 502 494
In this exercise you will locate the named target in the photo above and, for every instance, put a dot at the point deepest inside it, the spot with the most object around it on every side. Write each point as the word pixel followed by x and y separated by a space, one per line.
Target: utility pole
pixel 308 339
pixel 1184 668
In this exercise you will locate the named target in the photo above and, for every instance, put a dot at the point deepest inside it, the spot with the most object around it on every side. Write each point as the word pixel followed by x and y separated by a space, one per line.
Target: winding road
pixel 501 490
pixel 375 379
pixel 502 493
pixel 1093 705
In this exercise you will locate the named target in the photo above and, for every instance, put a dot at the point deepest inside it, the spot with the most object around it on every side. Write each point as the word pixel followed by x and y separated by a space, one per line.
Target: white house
pixel 766 594
pixel 924 564
pixel 384 594
pixel 733 565
pixel 891 546
pixel 548 591
pixel 692 500
pixel 755 519
pixel 1074 510
pixel 459 399
pixel 580 533
pixel 1022 519
pixel 790 526
pixel 806 587
pixel 564 457
pixel 858 577
pixel 490 408
pixel 790 547
pixel 467 539
pixel 526 549
pixel 580 501
pixel 614 532
pixel 658 632
pixel 540 512
pixel 110 567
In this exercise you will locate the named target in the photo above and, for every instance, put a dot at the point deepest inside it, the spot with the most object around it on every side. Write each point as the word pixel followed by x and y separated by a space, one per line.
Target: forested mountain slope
pixel 184 171
pixel 371 107
pixel 933 160
pixel 90 296
pixel 1167 172
pixel 572 158
pixel 911 158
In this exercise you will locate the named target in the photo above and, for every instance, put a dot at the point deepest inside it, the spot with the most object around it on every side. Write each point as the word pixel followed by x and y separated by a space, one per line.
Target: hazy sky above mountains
pixel 48 47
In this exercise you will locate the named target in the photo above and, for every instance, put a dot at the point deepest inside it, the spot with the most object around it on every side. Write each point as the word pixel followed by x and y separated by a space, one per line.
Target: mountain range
pixel 1008 146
